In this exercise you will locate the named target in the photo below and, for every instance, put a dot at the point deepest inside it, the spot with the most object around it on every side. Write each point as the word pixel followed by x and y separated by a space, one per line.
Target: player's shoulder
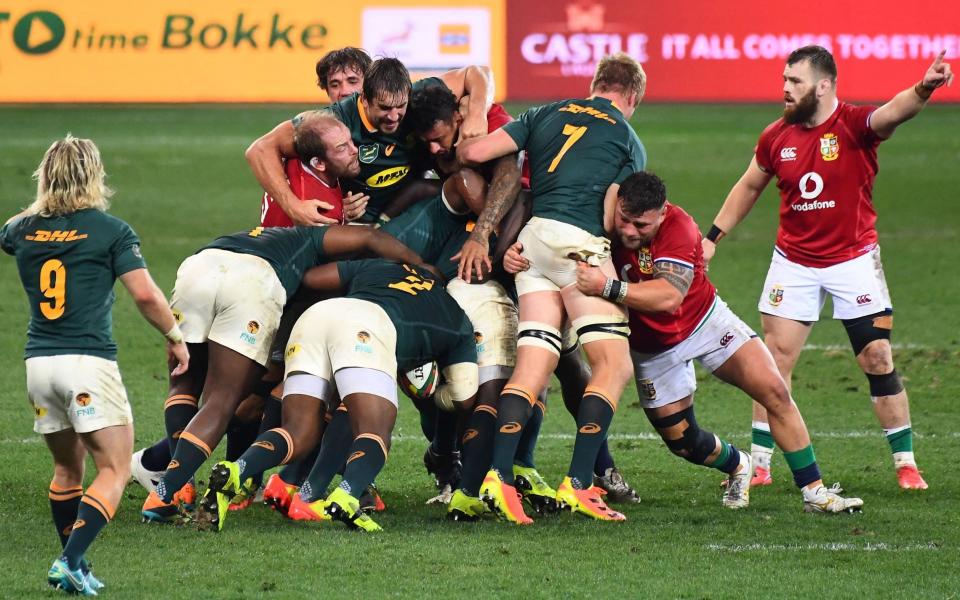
pixel 774 129
pixel 678 222
pixel 854 114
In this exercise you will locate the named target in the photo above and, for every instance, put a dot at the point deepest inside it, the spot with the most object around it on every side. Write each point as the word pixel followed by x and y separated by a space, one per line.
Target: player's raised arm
pixel 475 85
pixel 265 157
pixel 153 306
pixel 905 105
pixel 501 195
pixel 738 204
pixel 479 150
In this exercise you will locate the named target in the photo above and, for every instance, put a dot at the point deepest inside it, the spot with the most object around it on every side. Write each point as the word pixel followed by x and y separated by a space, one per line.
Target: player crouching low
pixel 392 316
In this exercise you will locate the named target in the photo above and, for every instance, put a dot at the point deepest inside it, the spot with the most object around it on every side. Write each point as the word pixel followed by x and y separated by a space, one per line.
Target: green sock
pixel 900 439
pixel 271 448
pixel 803 463
pixel 92 516
pixel 64 504
pixel 593 420
pixel 367 457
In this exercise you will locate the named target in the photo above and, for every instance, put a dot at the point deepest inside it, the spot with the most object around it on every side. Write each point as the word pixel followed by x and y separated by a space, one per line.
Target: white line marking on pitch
pixel 897 346
pixel 831 547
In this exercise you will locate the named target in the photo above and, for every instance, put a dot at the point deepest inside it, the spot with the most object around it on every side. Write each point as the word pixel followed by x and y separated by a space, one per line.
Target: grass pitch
pixel 181 180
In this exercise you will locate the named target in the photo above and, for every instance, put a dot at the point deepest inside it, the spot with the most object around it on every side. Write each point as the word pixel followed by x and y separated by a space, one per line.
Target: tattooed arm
pixel 475 255
pixel 664 293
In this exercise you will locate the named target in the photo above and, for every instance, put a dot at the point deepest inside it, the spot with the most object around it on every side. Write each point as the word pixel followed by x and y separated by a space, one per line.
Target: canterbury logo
pixel 78 524
pixel 355 456
pixel 469 435
pixel 174 464
pixel 590 428
pixel 266 446
pixel 511 427
pixel 864 299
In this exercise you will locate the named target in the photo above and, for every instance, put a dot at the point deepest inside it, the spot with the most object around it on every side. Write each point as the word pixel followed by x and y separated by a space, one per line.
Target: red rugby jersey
pixel 497 117
pixel 677 241
pixel 307 186
pixel 825 175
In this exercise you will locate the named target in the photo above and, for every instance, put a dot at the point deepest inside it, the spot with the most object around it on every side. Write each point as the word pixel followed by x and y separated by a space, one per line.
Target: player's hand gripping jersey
pixel 825 175
pixel 306 186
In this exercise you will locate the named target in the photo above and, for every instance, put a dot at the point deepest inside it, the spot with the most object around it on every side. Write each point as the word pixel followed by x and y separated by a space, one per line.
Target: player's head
pixel 619 74
pixel 386 90
pixel 434 117
pixel 809 80
pixel 325 143
pixel 641 206
pixel 70 178
pixel 340 72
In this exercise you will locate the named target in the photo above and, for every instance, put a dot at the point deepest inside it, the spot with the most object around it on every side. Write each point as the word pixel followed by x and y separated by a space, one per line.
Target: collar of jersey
pixel 363 117
pixel 306 169
pixel 612 103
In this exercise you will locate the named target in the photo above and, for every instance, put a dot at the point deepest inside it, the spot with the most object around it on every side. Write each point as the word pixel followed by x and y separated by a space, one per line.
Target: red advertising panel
pixel 727 50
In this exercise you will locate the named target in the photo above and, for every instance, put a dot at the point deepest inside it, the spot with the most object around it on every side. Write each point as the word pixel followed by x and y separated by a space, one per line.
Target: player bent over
pixel 676 316
pixel 392 316
pixel 69 253
pixel 824 155
pixel 579 151
pixel 228 299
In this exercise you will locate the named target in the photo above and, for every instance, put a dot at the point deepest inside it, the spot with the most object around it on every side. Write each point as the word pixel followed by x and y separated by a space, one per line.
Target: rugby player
pixel 229 298
pixel 579 152
pixel 340 72
pixel 676 316
pixel 374 118
pixel 392 316
pixel 69 253
pixel 824 155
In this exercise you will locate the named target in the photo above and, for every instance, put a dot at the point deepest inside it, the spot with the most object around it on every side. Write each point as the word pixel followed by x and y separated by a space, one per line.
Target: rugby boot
pixel 616 487
pixel 909 478
pixel 828 500
pixel 761 476
pixel 465 508
pixel 94 583
pixel 445 469
pixel 346 509
pixel 737 494
pixel 300 510
pixel 224 486
pixel 587 502
pixel 155 510
pixel 61 577
pixel 186 496
pixel 278 494
pixel 541 497
pixel 142 475
pixel 503 499
pixel 370 499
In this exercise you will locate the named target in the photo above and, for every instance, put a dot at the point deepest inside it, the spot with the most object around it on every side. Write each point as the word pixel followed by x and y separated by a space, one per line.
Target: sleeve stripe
pixel 683 263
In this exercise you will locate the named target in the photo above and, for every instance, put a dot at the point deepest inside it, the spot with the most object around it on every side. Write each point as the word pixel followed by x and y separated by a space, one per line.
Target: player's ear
pixel 317 164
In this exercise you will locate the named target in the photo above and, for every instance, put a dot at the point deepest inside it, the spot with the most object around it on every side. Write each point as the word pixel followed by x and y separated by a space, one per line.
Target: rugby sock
pixel 761 447
pixel 604 460
pixel 273 448
pixel 240 436
pixel 64 503
pixel 334 450
pixel 444 441
pixel 368 453
pixel 803 463
pixel 92 516
pixel 296 472
pixel 901 445
pixel 272 415
pixel 178 410
pixel 157 456
pixel 528 439
pixel 593 421
pixel 477 444
pixel 515 408
pixel 728 460
pixel 191 452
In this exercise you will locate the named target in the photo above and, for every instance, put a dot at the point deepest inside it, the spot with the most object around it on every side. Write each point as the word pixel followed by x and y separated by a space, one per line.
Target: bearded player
pixel 824 155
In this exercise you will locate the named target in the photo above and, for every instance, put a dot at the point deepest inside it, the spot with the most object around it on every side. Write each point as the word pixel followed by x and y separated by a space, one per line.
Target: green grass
pixel 181 179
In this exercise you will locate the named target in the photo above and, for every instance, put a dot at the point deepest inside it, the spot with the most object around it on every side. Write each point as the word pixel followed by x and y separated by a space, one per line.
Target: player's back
pixel 576 148
pixel 68 266
pixel 430 324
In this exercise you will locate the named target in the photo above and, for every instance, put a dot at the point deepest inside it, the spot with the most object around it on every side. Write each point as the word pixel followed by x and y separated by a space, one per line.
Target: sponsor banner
pixel 727 50
pixel 226 50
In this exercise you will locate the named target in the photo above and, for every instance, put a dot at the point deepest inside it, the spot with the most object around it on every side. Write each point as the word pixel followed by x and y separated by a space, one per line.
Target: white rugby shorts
pixel 494 318
pixel 76 391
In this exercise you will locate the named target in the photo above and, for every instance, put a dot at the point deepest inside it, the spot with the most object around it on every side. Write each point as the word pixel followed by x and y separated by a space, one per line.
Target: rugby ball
pixel 420 383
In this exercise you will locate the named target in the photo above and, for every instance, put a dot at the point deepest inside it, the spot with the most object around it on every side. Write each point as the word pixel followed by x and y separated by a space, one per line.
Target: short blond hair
pixel 619 73
pixel 70 178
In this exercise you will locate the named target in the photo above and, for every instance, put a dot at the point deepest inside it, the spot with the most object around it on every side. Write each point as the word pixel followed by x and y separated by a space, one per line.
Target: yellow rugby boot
pixel 587 502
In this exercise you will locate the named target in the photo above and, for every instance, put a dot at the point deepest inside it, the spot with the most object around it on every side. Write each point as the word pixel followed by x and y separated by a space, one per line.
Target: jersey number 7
pixel 575 134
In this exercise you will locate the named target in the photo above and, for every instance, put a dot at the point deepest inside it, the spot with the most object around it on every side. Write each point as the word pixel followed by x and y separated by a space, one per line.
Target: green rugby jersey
pixel 289 250
pixel 68 266
pixel 427 228
pixel 387 161
pixel 430 325
pixel 576 149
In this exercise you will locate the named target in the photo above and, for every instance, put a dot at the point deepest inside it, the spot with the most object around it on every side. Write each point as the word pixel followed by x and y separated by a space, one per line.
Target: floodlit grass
pixel 181 180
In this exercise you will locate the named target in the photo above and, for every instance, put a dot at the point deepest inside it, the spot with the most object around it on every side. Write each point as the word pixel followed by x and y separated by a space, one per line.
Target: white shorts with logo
pixel 76 391
pixel 494 318
pixel 665 377
pixel 340 333
pixel 857 286
pixel 553 248
pixel 233 299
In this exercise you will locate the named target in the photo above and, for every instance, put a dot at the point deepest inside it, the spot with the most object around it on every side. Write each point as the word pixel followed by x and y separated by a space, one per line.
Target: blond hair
pixel 70 178
pixel 619 73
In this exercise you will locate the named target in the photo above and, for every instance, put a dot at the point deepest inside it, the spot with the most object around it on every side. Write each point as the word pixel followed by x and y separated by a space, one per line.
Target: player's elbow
pixel 254 151
pixel 671 301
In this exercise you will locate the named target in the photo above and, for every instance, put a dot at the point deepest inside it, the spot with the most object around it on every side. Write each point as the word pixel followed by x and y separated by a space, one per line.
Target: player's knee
pixel 870 332
pixel 876 357
pixel 68 475
pixel 683 436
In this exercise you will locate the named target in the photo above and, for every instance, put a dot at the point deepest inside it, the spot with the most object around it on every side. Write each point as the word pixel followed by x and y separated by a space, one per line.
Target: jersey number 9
pixel 53 285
